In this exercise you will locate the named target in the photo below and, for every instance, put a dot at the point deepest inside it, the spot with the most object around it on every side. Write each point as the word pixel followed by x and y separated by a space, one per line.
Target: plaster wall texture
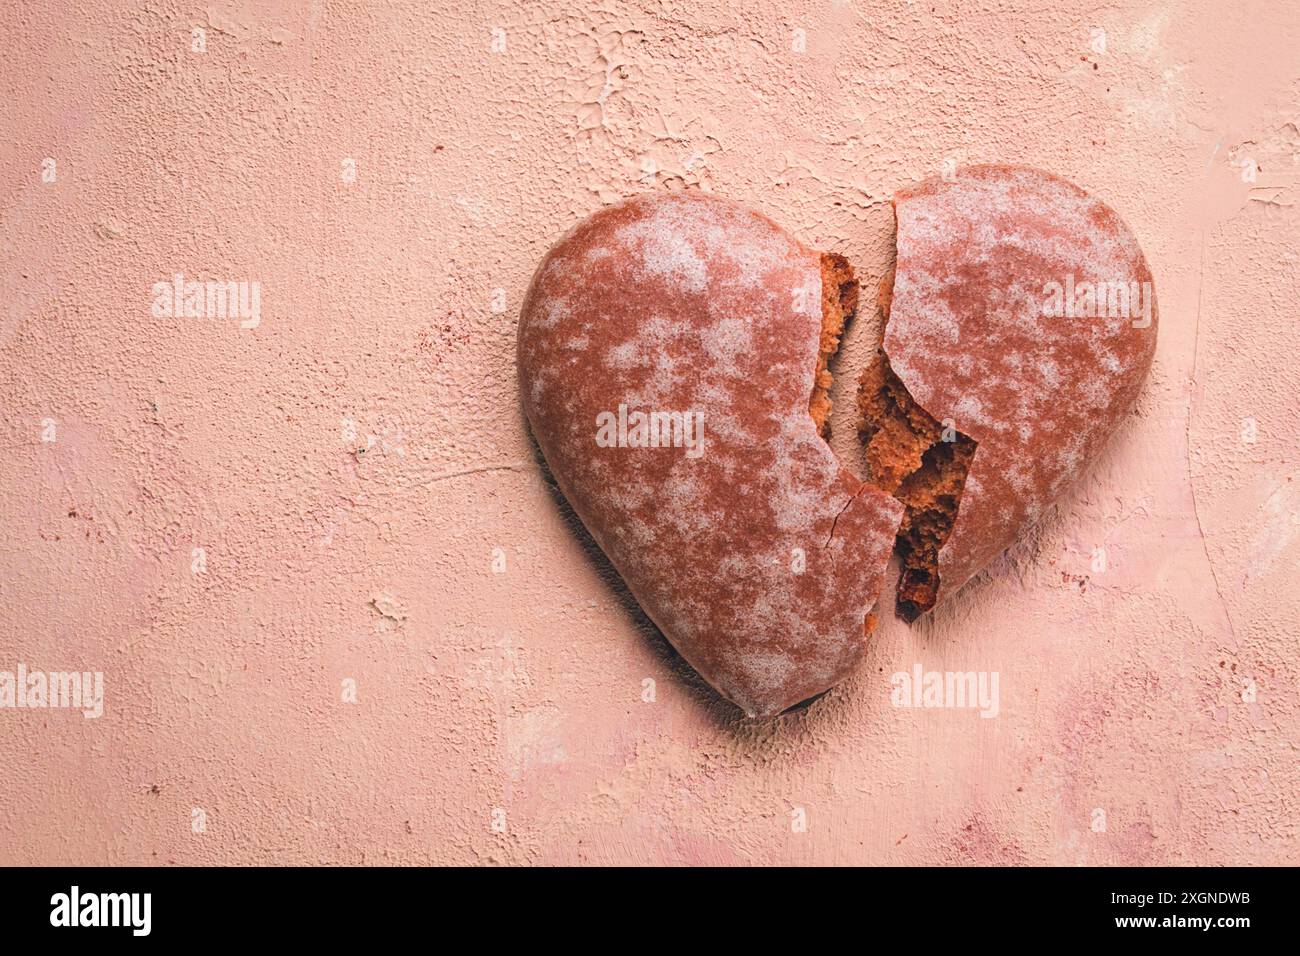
pixel 355 466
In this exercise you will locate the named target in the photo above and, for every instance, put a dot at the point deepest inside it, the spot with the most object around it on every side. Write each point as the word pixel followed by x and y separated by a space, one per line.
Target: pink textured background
pixel 1162 691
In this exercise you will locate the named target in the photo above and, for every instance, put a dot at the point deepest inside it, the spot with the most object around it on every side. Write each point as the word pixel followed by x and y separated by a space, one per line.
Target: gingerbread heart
pixel 1021 324
pixel 672 354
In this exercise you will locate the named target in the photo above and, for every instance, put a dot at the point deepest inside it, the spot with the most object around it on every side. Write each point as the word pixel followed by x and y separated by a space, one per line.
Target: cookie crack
pixel 836 520
pixel 921 462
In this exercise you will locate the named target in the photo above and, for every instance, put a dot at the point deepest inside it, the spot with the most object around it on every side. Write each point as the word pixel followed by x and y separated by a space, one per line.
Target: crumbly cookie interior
pixel 919 461
pixel 910 454
pixel 839 303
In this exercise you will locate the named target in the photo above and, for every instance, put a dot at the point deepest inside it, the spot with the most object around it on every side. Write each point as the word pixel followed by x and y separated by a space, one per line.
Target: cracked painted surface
pixel 1160 690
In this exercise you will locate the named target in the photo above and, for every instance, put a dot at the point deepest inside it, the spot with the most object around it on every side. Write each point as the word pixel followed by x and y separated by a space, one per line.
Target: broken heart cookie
pixel 672 361
pixel 673 355
pixel 1021 323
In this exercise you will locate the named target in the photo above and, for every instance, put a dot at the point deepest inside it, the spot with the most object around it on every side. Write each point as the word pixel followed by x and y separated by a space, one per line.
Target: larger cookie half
pixel 672 361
